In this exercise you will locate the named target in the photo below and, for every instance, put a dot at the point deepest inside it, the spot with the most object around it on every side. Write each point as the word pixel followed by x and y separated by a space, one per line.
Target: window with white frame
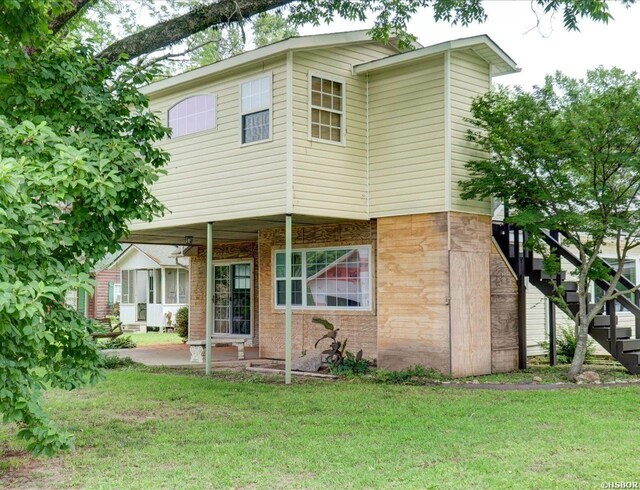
pixel 326 278
pixel 327 109
pixel 256 109
pixel 128 286
pixel 117 293
pixel 176 286
pixel 629 270
pixel 192 115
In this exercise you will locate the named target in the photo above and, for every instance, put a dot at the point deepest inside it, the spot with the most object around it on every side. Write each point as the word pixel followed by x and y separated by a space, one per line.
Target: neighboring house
pixel 362 147
pixel 154 284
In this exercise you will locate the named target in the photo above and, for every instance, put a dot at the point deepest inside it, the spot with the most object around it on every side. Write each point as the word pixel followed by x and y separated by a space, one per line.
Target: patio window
pixel 192 115
pixel 328 278
pixel 327 109
pixel 128 287
pixel 629 271
pixel 176 286
pixel 256 110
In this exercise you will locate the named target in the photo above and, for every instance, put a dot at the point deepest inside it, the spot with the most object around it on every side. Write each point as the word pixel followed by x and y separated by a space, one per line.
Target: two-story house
pixel 354 150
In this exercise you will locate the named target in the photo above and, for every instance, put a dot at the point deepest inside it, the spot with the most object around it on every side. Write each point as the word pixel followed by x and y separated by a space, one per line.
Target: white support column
pixel 209 298
pixel 287 292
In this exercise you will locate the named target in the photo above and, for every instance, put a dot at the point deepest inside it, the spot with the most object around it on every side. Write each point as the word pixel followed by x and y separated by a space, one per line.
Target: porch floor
pixel 179 355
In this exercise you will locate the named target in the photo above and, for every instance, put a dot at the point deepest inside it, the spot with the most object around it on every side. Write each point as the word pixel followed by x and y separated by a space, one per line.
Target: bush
pixel 413 375
pixel 115 362
pixel 566 346
pixel 122 342
pixel 182 322
pixel 350 364
pixel 115 310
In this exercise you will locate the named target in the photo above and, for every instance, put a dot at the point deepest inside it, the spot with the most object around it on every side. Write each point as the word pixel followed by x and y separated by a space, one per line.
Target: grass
pixel 160 428
pixel 154 338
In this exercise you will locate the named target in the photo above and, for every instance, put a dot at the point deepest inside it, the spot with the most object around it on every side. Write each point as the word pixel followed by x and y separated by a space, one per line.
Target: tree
pixel 566 157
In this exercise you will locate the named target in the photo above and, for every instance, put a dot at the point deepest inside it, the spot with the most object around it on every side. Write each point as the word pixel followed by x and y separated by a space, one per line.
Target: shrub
pixel 115 310
pixel 182 322
pixel 566 346
pixel 122 342
pixel 114 362
pixel 414 375
pixel 339 359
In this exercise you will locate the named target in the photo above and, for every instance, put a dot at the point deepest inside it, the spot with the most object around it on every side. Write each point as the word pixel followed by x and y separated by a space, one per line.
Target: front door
pixel 141 295
pixel 232 295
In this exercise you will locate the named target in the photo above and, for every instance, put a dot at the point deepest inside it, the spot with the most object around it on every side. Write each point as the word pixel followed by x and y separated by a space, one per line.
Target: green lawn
pixel 147 428
pixel 152 338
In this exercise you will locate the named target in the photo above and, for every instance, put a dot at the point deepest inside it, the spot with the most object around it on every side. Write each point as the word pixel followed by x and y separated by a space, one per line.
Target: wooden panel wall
pixel 358 326
pixel 413 286
pixel 504 315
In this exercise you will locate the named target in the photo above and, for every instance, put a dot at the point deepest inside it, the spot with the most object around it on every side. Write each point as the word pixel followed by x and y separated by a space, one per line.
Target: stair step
pixel 629 345
pixel 573 297
pixel 633 356
pixel 603 321
pixel 605 332
pixel 573 307
pixel 570 286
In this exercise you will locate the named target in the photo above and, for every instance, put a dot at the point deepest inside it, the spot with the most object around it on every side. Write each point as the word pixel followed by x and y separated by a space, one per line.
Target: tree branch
pixel 61 20
pixel 175 30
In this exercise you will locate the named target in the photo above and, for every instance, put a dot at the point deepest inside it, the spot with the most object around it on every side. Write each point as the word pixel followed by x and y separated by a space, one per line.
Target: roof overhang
pixel 482 45
pixel 263 53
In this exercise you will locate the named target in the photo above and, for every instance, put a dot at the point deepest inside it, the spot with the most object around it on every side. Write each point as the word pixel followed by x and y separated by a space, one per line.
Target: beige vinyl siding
pixel 330 179
pixel 536 321
pixel 469 78
pixel 406 139
pixel 211 175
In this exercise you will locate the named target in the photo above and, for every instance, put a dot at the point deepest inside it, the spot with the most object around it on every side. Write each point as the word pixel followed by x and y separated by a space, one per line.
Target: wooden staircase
pixel 604 329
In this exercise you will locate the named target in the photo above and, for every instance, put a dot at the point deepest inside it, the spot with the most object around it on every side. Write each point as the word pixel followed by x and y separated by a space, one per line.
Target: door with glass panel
pixel 232 297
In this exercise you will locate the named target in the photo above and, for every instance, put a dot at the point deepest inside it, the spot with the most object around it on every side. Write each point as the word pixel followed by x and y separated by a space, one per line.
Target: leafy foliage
pixel 414 375
pixel 340 360
pixel 114 362
pixel 182 322
pixel 121 342
pixel 566 157
pixel 566 346
pixel 77 157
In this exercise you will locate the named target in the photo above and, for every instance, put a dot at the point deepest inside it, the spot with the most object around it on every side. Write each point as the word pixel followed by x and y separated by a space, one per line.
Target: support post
pixel 522 322
pixel 613 327
pixel 553 355
pixel 288 313
pixel 636 298
pixel 209 298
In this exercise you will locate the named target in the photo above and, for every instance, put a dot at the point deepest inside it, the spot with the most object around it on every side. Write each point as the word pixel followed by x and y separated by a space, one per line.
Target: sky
pixel 537 51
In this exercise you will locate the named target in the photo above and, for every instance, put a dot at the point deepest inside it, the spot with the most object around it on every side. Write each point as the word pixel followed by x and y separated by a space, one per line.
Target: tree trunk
pixel 582 333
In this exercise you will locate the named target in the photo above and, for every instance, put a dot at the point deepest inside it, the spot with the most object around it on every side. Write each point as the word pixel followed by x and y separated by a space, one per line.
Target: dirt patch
pixel 21 471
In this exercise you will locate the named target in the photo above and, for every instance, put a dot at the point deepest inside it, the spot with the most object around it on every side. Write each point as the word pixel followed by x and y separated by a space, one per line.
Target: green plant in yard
pixel 115 310
pixel 340 360
pixel 566 346
pixel 182 322
pixel 115 362
pixel 122 342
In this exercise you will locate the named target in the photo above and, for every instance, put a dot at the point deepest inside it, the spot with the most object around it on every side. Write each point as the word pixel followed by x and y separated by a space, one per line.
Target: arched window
pixel 193 114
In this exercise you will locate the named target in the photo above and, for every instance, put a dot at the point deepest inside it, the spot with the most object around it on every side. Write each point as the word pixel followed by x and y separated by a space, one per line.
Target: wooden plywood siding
pixel 469 77
pixel 504 315
pixel 331 179
pixel 198 284
pixel 358 326
pixel 413 287
pixel 406 139
pixel 211 175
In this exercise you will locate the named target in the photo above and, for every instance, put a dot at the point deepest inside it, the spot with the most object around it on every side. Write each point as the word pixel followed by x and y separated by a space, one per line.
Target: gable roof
pixel 163 255
pixel 277 48
pixel 501 63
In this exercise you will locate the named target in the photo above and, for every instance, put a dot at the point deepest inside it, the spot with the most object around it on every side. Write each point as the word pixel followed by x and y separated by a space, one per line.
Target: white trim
pixel 269 75
pixel 502 61
pixel 447 132
pixel 215 115
pixel 261 54
pixel 342 112
pixel 289 136
pixel 366 156
pixel 303 278
pixel 251 298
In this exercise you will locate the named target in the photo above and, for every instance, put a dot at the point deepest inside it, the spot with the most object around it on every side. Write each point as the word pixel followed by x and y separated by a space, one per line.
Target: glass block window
pixel 331 278
pixel 327 108
pixel 256 110
pixel 193 114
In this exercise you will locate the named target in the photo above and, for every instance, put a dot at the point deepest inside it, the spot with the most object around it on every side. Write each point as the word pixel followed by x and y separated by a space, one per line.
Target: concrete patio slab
pixel 179 355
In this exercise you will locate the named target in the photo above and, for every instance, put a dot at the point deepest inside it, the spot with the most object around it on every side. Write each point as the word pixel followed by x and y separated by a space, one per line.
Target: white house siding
pixel 406 139
pixel 469 78
pixel 224 179
pixel 331 179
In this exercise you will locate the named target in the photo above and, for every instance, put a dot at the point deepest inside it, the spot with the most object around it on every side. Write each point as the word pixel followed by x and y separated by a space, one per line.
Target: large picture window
pixel 256 110
pixel 327 107
pixel 193 114
pixel 326 278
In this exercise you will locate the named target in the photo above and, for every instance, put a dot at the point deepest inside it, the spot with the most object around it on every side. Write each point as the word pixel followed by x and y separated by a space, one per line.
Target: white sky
pixel 512 25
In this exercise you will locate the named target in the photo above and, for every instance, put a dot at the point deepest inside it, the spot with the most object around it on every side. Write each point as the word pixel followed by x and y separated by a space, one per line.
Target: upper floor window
pixel 326 278
pixel 193 114
pixel 256 110
pixel 327 109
